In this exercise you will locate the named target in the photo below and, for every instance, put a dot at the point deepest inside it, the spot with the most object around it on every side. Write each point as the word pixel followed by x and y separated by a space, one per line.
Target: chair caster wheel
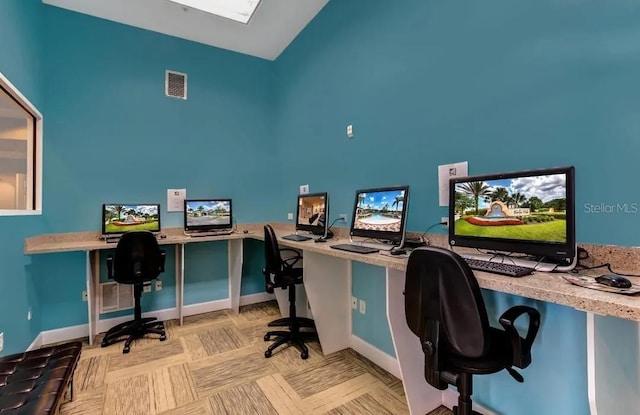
pixel 267 337
pixel 126 349
pixel 304 355
pixel 267 354
pixel 163 337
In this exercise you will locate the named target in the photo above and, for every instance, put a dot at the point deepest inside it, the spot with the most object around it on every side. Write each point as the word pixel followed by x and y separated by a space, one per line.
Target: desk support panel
pixel 421 397
pixel 179 260
pixel 235 272
pixel 93 291
pixel 327 284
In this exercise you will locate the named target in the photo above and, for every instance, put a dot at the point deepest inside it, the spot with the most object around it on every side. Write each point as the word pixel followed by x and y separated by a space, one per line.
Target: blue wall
pixel 505 85
pixel 20 62
pixel 113 136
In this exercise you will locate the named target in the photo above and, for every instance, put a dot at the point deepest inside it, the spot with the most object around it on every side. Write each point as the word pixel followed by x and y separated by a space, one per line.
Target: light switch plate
pixel 304 189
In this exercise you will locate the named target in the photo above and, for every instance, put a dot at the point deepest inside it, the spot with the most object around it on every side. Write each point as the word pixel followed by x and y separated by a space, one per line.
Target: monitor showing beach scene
pixel 204 213
pixel 118 219
pixel 311 210
pixel 379 210
pixel 529 208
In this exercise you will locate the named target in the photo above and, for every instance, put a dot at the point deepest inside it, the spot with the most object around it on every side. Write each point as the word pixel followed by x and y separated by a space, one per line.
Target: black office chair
pixel 444 307
pixel 279 273
pixel 138 259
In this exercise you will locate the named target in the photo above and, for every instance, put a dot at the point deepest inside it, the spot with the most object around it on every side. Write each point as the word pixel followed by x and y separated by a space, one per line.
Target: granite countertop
pixel 543 286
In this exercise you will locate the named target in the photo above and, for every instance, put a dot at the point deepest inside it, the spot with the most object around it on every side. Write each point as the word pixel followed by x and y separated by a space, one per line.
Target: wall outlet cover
pixel 158 285
pixel 354 303
pixel 290 216
pixel 363 307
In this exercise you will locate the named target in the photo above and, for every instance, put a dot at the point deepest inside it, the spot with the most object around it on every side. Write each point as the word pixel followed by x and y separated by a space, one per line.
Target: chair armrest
pixel 110 267
pixel 163 257
pixel 291 261
pixel 520 347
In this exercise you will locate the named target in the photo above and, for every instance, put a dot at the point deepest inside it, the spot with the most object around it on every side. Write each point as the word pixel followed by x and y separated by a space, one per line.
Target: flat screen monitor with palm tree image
pixel 528 212
pixel 380 214
pixel 120 218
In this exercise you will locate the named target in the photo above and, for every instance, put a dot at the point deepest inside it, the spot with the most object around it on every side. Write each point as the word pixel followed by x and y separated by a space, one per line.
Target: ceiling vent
pixel 176 85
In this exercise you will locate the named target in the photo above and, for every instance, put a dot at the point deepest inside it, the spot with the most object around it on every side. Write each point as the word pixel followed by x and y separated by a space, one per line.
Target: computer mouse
pixel 245 231
pixel 398 252
pixel 320 240
pixel 613 280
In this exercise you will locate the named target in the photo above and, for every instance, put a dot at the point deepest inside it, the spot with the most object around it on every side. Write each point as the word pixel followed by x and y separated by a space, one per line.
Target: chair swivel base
pixel 298 339
pixel 132 330
pixel 288 322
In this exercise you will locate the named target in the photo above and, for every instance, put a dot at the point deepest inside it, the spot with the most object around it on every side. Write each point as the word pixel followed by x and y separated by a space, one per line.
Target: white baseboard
pixel 450 399
pixel 377 356
pixel 36 343
pixel 209 306
pixel 64 334
pixel 256 298
pixel 82 330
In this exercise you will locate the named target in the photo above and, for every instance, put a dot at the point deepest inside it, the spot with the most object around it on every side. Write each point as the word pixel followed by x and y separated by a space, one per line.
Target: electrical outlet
pixel 29 314
pixel 158 285
pixel 147 288
pixel 350 131
pixel 1 341
pixel 290 216
pixel 354 303
pixel 85 298
pixel 445 220
pixel 304 189
pixel 342 216
pixel 363 307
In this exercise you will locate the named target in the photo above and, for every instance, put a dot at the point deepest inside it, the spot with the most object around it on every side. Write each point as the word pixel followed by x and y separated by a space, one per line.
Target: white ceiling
pixel 273 26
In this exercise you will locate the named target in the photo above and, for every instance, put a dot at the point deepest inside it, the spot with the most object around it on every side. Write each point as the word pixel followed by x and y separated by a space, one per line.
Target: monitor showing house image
pixel 530 208
pixel 121 218
pixel 204 214
pixel 312 210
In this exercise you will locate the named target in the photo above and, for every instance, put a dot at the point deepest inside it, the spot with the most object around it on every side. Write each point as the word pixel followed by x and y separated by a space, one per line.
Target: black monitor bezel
pixel 104 205
pixel 316 230
pixel 394 237
pixel 203 228
pixel 557 250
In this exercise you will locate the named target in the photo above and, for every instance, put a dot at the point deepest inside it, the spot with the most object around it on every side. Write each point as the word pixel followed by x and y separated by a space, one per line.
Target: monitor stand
pixel 371 243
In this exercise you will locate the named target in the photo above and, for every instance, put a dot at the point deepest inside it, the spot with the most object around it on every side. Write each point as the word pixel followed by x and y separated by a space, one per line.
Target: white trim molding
pixel 31 169
pixel 377 356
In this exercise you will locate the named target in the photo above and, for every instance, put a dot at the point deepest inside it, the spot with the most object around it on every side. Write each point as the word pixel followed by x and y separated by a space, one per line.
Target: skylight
pixel 238 10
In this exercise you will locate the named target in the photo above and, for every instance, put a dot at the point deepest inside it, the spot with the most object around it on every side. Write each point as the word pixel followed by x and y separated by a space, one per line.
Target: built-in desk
pixel 327 280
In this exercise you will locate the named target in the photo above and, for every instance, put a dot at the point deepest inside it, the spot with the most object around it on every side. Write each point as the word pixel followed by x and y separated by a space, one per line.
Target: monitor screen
pixel 380 213
pixel 312 213
pixel 204 214
pixel 529 212
pixel 118 219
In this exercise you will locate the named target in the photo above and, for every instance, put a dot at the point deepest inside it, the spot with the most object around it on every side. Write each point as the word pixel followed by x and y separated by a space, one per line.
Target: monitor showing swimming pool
pixel 380 213
pixel 120 218
pixel 529 212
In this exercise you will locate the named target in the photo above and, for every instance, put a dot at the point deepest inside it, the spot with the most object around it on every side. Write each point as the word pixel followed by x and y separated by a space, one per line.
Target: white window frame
pixel 31 171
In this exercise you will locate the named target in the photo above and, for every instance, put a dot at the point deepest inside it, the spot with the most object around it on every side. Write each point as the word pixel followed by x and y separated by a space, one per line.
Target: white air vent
pixel 114 297
pixel 176 85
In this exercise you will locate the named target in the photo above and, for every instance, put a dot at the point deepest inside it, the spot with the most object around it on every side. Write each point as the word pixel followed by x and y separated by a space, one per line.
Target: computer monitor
pixel 207 214
pixel 120 218
pixel 312 213
pixel 530 212
pixel 381 213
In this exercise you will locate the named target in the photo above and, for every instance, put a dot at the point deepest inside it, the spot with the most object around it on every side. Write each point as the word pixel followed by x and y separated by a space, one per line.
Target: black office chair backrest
pixel 440 287
pixel 273 260
pixel 137 258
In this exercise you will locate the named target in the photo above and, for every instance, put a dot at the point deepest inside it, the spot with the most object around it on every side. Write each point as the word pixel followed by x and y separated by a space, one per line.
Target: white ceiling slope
pixel 273 26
